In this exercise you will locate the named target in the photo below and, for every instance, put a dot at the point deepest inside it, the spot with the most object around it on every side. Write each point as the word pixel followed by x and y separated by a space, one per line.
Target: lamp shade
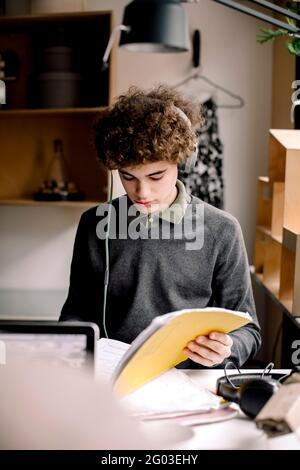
pixel 155 26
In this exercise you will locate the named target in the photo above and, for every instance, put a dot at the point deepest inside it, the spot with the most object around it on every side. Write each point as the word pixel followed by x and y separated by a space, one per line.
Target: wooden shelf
pixel 29 36
pixel 271 267
pixel 277 245
pixel 267 231
pixel 33 203
pixel 28 134
pixel 290 271
pixel 49 111
pixel 270 207
pixel 264 202
pixel 10 21
pixel 283 305
pixel 272 288
pixel 267 254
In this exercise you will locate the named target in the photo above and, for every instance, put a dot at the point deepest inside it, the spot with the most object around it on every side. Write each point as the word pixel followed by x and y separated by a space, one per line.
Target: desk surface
pixel 237 433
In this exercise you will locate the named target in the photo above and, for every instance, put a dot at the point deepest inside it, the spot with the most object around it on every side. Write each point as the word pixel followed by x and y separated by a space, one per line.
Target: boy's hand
pixel 209 350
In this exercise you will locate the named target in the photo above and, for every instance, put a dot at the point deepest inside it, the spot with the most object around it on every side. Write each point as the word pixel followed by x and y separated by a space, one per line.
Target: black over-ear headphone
pixel 250 391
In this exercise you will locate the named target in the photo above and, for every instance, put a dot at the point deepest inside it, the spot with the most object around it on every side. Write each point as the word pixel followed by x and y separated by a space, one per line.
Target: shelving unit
pixel 38 111
pixel 27 131
pixel 290 271
pixel 32 203
pixel 277 247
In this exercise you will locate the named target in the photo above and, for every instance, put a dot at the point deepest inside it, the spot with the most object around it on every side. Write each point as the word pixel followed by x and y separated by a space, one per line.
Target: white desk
pixel 236 433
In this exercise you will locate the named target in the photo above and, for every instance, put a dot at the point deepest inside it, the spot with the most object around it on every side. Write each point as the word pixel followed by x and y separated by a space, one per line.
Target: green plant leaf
pixel 269 35
pixel 291 22
pixel 295 8
pixel 293 46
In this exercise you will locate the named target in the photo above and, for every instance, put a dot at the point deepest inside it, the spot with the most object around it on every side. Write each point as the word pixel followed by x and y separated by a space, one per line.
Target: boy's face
pixel 151 186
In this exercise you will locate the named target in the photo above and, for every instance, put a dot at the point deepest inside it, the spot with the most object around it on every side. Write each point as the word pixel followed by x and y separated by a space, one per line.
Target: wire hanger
pixel 198 76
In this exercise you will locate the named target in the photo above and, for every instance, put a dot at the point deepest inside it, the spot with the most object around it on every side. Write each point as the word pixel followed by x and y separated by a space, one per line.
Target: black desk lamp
pixel 152 26
pixel 162 26
pixel 155 26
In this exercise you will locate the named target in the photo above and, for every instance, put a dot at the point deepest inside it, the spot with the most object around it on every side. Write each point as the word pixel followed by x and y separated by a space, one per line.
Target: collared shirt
pixel 174 213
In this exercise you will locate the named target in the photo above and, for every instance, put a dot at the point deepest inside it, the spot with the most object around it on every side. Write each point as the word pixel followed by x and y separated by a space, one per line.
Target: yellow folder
pixel 160 346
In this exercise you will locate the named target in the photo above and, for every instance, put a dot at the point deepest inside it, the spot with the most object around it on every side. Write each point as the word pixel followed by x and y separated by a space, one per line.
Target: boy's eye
pixel 128 178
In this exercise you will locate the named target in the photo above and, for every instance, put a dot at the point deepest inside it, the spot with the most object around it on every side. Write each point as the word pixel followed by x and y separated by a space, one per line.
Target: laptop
pixel 69 343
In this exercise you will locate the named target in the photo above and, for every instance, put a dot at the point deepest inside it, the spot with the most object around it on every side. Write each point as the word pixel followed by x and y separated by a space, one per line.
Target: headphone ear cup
pixel 190 162
pixel 254 394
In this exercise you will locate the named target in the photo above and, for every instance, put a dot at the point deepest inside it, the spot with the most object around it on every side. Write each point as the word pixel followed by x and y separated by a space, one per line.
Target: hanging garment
pixel 205 180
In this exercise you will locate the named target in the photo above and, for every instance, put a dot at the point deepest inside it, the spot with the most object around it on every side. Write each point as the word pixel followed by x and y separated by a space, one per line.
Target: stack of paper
pixel 171 394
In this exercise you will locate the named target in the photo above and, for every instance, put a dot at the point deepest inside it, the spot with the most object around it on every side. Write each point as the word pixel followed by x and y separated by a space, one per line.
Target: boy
pixel 167 250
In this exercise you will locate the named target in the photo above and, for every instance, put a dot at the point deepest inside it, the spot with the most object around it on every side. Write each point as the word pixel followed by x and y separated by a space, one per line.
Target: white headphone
pixel 190 162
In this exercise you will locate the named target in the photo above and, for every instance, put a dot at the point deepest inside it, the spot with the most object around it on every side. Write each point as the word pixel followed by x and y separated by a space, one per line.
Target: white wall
pixel 35 256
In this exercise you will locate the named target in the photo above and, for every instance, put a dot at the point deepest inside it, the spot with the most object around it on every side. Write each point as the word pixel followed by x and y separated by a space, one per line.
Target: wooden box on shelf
pixel 283 144
pixel 292 191
pixel 28 130
pixel 284 166
pixel 264 202
pixel 278 203
pixel 277 244
pixel 259 254
pixel 267 259
pixel 270 200
pixel 289 293
pixel 271 266
pixel 270 206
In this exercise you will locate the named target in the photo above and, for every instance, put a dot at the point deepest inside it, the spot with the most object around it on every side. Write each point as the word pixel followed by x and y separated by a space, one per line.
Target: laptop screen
pixel 69 343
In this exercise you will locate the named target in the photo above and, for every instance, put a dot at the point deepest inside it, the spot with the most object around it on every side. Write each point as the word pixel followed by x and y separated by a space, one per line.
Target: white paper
pixel 108 355
pixel 171 392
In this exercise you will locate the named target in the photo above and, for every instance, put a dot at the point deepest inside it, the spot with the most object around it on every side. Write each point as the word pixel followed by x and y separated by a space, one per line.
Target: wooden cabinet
pixel 277 249
pixel 28 129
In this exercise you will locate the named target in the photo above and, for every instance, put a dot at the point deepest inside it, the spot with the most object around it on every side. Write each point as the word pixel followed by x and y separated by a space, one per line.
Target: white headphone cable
pixel 106 274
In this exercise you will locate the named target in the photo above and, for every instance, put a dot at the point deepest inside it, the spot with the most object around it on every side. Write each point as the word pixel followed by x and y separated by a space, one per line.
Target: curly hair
pixel 144 126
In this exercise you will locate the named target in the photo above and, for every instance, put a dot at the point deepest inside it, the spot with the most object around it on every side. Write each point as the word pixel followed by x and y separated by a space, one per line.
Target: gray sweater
pixel 197 260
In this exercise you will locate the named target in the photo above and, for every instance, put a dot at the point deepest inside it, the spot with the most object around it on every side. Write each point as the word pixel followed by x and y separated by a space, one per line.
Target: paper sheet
pixel 108 355
pixel 171 393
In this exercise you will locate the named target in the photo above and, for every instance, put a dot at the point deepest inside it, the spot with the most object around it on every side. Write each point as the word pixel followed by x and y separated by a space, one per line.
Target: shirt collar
pixel 177 209
pixel 175 212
